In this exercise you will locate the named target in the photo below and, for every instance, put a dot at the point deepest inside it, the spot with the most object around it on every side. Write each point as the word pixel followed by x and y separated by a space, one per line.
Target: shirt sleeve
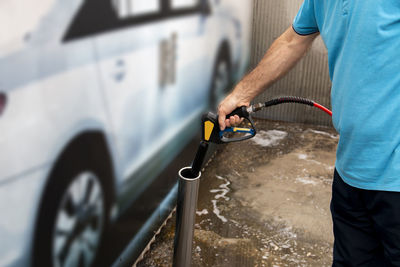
pixel 305 22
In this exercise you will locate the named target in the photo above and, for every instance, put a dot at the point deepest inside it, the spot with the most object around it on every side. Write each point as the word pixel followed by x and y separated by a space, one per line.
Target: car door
pixel 128 58
pixel 187 26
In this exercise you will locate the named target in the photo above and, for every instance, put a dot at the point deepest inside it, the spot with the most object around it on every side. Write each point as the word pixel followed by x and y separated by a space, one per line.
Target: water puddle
pixel 222 190
pixel 202 212
pixel 333 136
pixel 269 138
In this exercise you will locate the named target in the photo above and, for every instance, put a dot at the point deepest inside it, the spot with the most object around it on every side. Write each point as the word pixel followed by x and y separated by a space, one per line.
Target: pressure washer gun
pixel 189 177
pixel 211 132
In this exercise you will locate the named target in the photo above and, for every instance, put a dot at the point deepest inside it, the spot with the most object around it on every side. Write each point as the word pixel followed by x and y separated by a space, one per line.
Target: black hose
pixel 288 99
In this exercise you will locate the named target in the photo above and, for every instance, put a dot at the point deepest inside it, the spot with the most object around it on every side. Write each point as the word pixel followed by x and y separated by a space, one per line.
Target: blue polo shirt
pixel 363 42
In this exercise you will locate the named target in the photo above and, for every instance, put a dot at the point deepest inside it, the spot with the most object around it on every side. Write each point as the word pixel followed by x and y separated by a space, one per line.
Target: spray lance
pixel 189 177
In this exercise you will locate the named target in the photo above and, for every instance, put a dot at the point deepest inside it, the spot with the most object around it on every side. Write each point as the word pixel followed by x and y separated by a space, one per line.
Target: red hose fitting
pixel 323 108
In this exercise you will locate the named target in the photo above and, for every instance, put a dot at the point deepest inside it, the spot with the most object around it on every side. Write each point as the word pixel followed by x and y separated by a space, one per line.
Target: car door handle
pixel 120 72
pixel 3 102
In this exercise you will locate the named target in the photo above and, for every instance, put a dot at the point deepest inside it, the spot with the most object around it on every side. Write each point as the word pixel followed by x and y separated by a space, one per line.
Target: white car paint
pixel 108 82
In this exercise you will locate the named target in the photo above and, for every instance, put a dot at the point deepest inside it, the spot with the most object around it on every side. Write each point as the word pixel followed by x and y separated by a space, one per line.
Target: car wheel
pixel 221 81
pixel 72 220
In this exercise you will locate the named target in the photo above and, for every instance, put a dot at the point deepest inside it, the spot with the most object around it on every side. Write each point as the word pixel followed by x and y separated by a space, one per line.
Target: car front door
pixel 187 26
pixel 127 37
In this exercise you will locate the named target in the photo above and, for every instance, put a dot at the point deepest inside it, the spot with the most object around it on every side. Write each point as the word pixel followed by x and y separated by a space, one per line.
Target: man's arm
pixel 283 54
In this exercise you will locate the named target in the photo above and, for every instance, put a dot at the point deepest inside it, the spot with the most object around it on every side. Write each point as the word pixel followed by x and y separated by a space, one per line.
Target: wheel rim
pixel 221 82
pixel 79 222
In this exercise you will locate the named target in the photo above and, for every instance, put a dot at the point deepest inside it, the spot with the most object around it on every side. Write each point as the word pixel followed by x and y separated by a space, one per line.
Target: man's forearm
pixel 283 54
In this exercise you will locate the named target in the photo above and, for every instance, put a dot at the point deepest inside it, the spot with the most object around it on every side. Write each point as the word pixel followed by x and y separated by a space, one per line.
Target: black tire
pixel 90 214
pixel 221 80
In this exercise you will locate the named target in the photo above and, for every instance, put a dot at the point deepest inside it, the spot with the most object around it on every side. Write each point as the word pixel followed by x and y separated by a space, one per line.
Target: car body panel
pixel 141 83
pixel 19 208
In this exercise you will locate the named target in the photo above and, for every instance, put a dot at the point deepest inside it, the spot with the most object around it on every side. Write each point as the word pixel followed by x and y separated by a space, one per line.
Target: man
pixel 363 42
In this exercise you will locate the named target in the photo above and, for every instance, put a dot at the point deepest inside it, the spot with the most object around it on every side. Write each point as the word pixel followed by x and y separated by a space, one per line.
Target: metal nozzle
pixel 255 108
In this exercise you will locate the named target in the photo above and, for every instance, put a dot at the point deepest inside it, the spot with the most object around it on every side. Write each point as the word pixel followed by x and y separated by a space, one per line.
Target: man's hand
pixel 229 104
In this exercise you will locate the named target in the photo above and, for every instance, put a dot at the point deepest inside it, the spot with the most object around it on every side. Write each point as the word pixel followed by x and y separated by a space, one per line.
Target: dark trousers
pixel 366 226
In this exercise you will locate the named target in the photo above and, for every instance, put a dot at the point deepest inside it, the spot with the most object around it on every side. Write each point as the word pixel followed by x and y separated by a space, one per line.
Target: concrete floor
pixel 263 202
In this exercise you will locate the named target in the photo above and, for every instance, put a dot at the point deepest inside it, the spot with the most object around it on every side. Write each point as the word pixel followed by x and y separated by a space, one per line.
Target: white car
pixel 97 98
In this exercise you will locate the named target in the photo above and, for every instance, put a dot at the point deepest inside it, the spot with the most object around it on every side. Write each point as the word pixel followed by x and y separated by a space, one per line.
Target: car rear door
pixel 128 59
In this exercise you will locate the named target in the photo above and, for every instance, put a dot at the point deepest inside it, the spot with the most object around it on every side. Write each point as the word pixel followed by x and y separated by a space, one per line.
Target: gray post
pixel 185 217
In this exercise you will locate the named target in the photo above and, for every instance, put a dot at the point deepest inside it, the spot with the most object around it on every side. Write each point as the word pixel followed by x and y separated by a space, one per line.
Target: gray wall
pixel 309 79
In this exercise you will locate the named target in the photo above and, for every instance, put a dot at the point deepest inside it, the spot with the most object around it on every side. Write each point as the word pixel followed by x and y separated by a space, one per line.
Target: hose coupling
pixel 255 107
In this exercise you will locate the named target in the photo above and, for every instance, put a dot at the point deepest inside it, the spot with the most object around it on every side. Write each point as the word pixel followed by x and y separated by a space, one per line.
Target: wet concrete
pixel 263 202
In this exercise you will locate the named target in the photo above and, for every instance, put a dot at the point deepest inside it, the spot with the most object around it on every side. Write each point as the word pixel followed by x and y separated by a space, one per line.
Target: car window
pixel 100 16
pixel 184 4
pixel 135 8
pixel 186 7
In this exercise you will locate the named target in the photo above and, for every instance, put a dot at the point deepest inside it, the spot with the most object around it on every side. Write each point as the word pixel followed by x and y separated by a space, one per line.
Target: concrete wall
pixel 309 79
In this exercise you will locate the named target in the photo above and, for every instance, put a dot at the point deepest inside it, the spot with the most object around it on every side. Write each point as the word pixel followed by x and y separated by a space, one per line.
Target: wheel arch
pixel 94 145
pixel 91 144
pixel 222 53
pixel 224 50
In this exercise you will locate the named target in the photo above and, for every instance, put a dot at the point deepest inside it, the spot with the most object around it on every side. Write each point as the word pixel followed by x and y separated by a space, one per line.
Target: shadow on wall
pixel 309 79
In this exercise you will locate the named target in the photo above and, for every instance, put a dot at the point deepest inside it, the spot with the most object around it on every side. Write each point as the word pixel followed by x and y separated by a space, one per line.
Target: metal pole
pixel 185 217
